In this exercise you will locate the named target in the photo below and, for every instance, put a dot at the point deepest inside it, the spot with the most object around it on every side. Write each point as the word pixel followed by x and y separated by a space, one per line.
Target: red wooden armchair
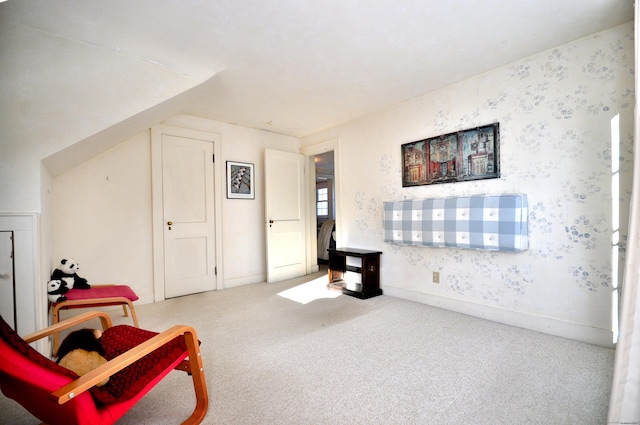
pixel 137 361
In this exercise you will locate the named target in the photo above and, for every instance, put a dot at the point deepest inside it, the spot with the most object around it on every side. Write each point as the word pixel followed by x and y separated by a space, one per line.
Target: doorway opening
pixel 326 165
pixel 325 205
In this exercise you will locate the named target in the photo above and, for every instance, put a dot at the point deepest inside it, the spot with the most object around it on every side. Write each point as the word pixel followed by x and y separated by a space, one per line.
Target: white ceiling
pixel 299 66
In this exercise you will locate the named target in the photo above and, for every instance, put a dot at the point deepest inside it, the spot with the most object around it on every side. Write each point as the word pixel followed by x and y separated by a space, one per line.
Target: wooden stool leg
pixel 55 318
pixel 134 316
pixel 124 308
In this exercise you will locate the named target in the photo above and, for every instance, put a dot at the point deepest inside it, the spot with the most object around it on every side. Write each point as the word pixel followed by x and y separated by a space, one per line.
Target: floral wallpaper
pixel 566 124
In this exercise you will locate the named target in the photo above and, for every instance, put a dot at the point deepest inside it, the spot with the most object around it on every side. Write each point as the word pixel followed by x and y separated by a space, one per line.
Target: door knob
pixel 270 221
pixel 169 223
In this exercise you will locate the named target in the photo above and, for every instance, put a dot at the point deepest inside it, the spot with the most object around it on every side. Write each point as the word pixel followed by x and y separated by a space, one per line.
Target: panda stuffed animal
pixel 55 291
pixel 68 272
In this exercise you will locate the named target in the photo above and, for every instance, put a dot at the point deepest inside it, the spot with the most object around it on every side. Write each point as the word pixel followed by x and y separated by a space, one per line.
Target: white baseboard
pixel 575 331
pixel 244 280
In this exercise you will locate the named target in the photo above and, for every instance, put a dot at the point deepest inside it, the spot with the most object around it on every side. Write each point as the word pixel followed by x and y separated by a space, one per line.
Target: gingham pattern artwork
pixel 488 222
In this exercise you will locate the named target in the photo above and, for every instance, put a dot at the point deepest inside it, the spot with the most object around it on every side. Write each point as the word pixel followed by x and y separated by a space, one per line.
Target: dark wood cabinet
pixel 369 271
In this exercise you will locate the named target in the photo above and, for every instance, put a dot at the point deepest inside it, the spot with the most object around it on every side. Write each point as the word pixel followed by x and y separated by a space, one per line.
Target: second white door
pixel 285 215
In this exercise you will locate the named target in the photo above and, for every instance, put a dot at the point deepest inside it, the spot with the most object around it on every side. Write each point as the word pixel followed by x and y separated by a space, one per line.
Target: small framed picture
pixel 240 180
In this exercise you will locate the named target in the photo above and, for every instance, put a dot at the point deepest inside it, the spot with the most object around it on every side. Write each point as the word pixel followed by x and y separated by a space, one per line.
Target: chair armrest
pixel 85 382
pixel 105 319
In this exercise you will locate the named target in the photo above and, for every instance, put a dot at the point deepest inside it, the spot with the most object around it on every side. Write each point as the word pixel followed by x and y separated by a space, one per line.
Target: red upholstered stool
pixel 96 296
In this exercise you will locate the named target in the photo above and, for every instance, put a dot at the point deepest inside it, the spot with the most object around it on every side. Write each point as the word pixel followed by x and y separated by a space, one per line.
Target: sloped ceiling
pixel 295 67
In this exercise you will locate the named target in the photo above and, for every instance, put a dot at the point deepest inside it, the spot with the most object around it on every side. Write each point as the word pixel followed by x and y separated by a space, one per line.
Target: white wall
pixel 102 210
pixel 45 235
pixel 242 219
pixel 555 111
pixel 79 90
pixel 102 216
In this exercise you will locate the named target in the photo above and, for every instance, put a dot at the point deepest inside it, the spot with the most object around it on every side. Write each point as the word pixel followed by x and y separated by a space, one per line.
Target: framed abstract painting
pixel 240 180
pixel 471 154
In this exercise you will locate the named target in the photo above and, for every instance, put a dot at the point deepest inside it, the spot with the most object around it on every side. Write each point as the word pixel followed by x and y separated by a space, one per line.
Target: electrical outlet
pixel 436 277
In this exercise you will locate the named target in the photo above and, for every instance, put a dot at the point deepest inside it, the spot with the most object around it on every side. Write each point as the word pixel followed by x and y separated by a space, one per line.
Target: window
pixel 324 207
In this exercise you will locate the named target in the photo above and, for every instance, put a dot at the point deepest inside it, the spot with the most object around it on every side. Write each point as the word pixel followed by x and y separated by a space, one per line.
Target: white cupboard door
pixel 7 286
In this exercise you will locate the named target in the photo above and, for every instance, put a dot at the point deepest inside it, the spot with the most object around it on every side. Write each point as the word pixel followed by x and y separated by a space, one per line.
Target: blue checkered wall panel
pixel 488 222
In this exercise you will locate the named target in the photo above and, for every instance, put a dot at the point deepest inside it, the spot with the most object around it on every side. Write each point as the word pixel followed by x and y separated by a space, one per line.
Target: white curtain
pixel 624 405
pixel 324 239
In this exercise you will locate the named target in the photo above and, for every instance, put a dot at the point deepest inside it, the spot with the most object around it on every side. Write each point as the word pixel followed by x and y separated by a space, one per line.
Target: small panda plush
pixel 56 289
pixel 68 272
pixel 81 352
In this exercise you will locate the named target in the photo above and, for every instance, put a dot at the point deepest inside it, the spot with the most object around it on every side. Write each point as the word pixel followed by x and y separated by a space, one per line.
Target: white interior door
pixel 285 215
pixel 189 220
pixel 7 287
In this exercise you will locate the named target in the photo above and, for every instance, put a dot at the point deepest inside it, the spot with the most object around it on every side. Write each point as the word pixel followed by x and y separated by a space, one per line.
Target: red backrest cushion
pixel 15 341
pixel 29 378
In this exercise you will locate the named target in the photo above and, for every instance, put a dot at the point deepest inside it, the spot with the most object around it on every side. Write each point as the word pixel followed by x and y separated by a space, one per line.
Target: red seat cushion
pixel 132 379
pixel 102 292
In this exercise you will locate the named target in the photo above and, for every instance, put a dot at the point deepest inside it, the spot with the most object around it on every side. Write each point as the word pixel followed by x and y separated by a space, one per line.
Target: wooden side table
pixel 369 272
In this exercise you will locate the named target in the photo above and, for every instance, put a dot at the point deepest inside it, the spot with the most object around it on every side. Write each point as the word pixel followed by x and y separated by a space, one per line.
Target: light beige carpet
pixel 293 353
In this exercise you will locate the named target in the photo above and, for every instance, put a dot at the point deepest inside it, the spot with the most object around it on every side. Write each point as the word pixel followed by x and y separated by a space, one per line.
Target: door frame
pixel 312 238
pixel 31 299
pixel 157 205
